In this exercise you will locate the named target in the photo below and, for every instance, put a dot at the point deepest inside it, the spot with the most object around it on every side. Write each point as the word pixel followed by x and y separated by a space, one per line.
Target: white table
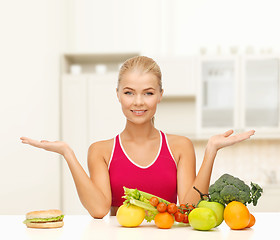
pixel 85 227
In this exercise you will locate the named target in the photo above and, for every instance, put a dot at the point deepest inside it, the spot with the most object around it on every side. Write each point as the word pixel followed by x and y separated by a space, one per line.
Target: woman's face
pixel 139 95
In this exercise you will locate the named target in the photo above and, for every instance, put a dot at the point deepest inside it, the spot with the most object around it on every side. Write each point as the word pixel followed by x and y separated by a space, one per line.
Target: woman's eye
pixel 128 93
pixel 149 93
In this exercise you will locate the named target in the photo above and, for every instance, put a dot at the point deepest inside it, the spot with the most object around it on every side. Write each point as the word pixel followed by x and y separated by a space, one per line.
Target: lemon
pixel 130 216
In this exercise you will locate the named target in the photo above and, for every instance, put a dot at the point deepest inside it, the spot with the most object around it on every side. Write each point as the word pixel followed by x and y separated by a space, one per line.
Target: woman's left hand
pixel 225 139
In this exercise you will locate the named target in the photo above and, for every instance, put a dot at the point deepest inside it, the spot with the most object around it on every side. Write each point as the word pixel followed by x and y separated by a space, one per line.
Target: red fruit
pixel 154 201
pixel 161 207
pixel 186 218
pixel 179 217
pixel 172 208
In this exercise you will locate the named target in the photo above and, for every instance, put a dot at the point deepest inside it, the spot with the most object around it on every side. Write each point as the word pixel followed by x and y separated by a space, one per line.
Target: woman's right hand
pixel 55 146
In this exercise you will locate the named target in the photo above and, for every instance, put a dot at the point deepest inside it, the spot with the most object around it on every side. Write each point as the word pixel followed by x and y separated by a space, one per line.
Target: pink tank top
pixel 159 178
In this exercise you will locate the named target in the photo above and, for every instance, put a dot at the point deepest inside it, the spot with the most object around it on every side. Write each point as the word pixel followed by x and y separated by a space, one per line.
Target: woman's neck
pixel 135 132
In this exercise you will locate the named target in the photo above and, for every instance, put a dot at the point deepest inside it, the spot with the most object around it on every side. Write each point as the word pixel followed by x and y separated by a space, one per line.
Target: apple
pixel 218 208
pixel 202 219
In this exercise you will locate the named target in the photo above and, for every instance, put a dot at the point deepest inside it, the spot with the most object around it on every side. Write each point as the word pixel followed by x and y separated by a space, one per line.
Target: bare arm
pixel 96 200
pixel 202 180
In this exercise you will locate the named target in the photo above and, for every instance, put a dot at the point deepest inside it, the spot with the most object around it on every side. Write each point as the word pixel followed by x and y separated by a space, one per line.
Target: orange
pixel 164 220
pixel 236 215
pixel 252 221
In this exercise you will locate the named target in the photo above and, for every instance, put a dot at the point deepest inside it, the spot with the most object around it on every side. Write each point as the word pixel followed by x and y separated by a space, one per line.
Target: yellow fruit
pixel 130 216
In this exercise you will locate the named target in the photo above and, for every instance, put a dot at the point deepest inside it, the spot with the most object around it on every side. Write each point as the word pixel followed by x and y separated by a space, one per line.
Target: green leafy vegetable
pixel 141 199
pixel 256 192
pixel 228 188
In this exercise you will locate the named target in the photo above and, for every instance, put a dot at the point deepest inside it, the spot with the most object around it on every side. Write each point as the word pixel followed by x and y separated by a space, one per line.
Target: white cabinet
pixel 240 93
pixel 105 116
pixel 75 133
pixel 90 112
pixel 176 112
pixel 217 98
pixel 178 76
pixel 261 93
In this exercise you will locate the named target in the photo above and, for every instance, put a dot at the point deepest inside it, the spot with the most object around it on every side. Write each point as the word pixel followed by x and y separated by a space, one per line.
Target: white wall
pixel 29 99
pixel 175 27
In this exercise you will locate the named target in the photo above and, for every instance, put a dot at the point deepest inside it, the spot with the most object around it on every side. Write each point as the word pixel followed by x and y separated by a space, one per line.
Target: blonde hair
pixel 142 64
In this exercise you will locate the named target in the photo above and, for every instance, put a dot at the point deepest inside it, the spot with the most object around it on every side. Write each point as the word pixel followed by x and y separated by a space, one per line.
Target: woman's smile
pixel 139 112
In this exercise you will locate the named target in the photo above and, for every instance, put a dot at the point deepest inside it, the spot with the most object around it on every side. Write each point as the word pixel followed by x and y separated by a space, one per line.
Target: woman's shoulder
pixel 102 148
pixel 102 144
pixel 179 146
pixel 177 140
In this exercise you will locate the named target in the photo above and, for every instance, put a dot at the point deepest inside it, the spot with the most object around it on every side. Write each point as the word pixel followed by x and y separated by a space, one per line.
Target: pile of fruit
pixel 226 200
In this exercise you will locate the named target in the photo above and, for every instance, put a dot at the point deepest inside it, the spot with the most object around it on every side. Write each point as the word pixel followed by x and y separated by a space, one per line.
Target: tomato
pixel 154 201
pixel 186 218
pixel 183 205
pixel 179 217
pixel 191 207
pixel 161 207
pixel 183 208
pixel 172 208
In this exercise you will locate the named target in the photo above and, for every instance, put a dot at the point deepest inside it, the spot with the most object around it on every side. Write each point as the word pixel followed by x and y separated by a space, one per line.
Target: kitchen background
pixel 59 63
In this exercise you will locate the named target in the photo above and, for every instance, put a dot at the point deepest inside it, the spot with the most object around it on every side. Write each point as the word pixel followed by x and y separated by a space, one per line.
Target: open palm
pixel 225 139
pixel 52 146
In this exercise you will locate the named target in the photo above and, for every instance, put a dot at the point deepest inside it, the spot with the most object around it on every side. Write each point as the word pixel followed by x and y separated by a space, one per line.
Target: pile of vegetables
pixel 154 205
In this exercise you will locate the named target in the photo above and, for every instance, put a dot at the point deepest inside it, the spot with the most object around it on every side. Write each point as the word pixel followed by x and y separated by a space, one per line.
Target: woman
pixel 140 156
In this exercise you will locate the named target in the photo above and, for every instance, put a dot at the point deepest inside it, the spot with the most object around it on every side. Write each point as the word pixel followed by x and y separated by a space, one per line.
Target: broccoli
pixel 228 188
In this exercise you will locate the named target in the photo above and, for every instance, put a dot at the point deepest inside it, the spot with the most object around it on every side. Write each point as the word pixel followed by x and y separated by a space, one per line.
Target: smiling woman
pixel 149 75
pixel 141 156
pixel 139 94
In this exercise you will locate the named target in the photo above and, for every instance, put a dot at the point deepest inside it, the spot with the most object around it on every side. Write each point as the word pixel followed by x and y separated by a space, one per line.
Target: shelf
pixel 175 98
pixel 89 61
pixel 81 58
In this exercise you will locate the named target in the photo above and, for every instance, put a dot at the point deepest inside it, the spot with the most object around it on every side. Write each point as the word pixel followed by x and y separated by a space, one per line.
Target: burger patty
pixel 48 221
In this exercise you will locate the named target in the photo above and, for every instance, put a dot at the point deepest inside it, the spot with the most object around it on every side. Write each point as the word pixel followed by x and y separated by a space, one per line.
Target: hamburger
pixel 44 219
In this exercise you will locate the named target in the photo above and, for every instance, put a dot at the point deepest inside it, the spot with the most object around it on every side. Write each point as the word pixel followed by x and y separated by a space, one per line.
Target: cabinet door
pixel 261 93
pixel 75 133
pixel 90 112
pixel 105 116
pixel 177 76
pixel 217 102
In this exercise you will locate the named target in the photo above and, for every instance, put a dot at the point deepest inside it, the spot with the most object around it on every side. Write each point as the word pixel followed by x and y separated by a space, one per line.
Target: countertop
pixel 85 227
